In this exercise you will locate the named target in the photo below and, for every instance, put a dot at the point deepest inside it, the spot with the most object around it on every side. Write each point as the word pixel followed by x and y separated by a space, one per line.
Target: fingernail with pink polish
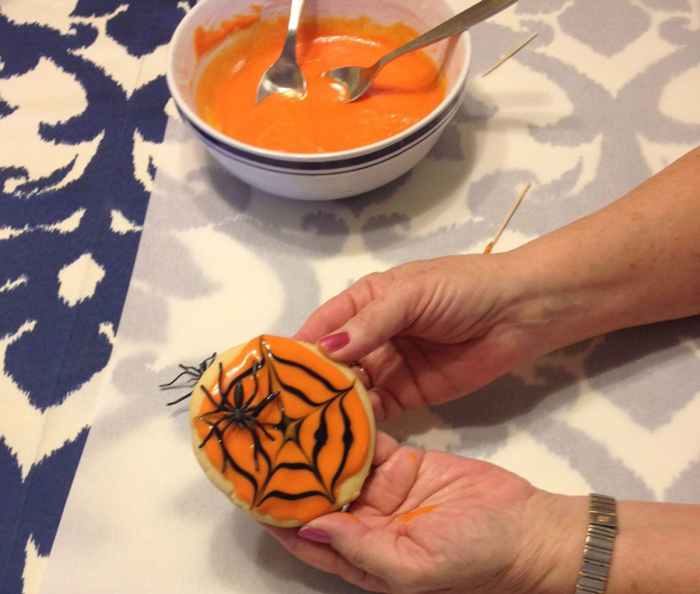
pixel 315 535
pixel 333 342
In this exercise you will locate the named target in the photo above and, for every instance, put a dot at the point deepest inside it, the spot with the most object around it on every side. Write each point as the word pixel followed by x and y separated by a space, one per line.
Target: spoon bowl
pixel 285 75
pixel 357 79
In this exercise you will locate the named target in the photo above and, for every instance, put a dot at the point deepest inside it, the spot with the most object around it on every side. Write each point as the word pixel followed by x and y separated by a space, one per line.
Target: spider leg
pixel 235 380
pixel 224 393
pixel 177 400
pixel 204 365
pixel 214 427
pixel 246 404
pixel 261 406
pixel 186 371
pixel 220 439
pixel 260 426
pixel 256 367
pixel 257 445
pixel 230 421
pixel 218 405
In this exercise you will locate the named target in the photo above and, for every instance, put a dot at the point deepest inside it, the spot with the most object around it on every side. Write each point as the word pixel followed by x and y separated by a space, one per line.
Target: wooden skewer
pixel 512 210
pixel 510 54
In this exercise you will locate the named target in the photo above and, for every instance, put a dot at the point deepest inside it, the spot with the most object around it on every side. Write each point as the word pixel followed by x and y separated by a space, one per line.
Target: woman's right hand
pixel 430 331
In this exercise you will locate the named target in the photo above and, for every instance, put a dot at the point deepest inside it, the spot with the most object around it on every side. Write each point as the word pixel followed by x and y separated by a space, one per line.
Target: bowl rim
pixel 272 155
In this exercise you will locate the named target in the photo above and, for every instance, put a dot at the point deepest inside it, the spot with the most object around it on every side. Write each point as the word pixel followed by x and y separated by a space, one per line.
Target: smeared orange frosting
pixel 413 514
pixel 320 120
pixel 286 426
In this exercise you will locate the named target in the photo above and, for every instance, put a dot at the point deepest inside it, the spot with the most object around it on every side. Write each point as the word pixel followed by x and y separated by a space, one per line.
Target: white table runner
pixel 582 113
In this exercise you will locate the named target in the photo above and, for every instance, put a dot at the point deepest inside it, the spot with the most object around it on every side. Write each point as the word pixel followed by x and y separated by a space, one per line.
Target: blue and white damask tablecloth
pixel 100 299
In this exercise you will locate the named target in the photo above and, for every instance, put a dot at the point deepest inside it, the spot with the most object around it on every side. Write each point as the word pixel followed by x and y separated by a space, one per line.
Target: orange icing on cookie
pixel 286 427
pixel 349 516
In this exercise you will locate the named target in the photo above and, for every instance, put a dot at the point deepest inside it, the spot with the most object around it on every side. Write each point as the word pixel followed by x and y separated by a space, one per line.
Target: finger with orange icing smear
pixel 388 485
pixel 372 549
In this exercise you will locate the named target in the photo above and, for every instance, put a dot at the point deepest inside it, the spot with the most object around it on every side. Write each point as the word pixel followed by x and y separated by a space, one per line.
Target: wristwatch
pixel 600 539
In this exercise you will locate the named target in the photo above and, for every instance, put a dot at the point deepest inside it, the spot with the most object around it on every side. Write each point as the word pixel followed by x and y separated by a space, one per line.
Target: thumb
pixel 380 320
pixel 372 550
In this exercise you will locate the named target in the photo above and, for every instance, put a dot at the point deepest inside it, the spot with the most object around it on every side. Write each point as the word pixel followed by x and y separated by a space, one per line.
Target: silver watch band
pixel 597 553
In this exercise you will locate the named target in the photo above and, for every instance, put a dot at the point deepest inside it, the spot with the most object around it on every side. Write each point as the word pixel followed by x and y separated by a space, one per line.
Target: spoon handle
pixel 295 15
pixel 294 18
pixel 458 23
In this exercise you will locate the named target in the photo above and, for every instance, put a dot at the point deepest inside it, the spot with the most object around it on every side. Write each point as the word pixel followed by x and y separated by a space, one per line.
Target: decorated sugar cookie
pixel 286 433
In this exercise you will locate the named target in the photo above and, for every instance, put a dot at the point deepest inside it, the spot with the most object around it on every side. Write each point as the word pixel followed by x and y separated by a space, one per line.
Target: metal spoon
pixel 358 79
pixel 285 74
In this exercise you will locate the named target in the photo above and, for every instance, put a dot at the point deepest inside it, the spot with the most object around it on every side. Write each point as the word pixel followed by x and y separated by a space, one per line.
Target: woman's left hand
pixel 433 521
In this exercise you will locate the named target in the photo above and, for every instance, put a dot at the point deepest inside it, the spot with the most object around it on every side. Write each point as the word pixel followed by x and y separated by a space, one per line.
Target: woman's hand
pixel 427 332
pixel 432 521
pixel 431 331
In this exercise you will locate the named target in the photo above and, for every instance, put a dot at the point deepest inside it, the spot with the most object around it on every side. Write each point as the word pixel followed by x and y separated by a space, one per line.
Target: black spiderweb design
pixel 256 401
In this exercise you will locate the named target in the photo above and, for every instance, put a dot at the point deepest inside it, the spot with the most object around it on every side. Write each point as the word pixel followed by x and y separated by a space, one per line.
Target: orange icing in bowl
pixel 320 120
pixel 207 39
pixel 287 430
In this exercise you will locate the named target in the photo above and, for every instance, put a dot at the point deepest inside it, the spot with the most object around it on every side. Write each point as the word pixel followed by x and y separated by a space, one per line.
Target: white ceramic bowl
pixel 322 176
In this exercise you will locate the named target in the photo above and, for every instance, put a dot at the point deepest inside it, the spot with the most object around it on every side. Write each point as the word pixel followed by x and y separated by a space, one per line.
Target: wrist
pixel 554 534
pixel 540 312
pixel 655 549
pixel 554 306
